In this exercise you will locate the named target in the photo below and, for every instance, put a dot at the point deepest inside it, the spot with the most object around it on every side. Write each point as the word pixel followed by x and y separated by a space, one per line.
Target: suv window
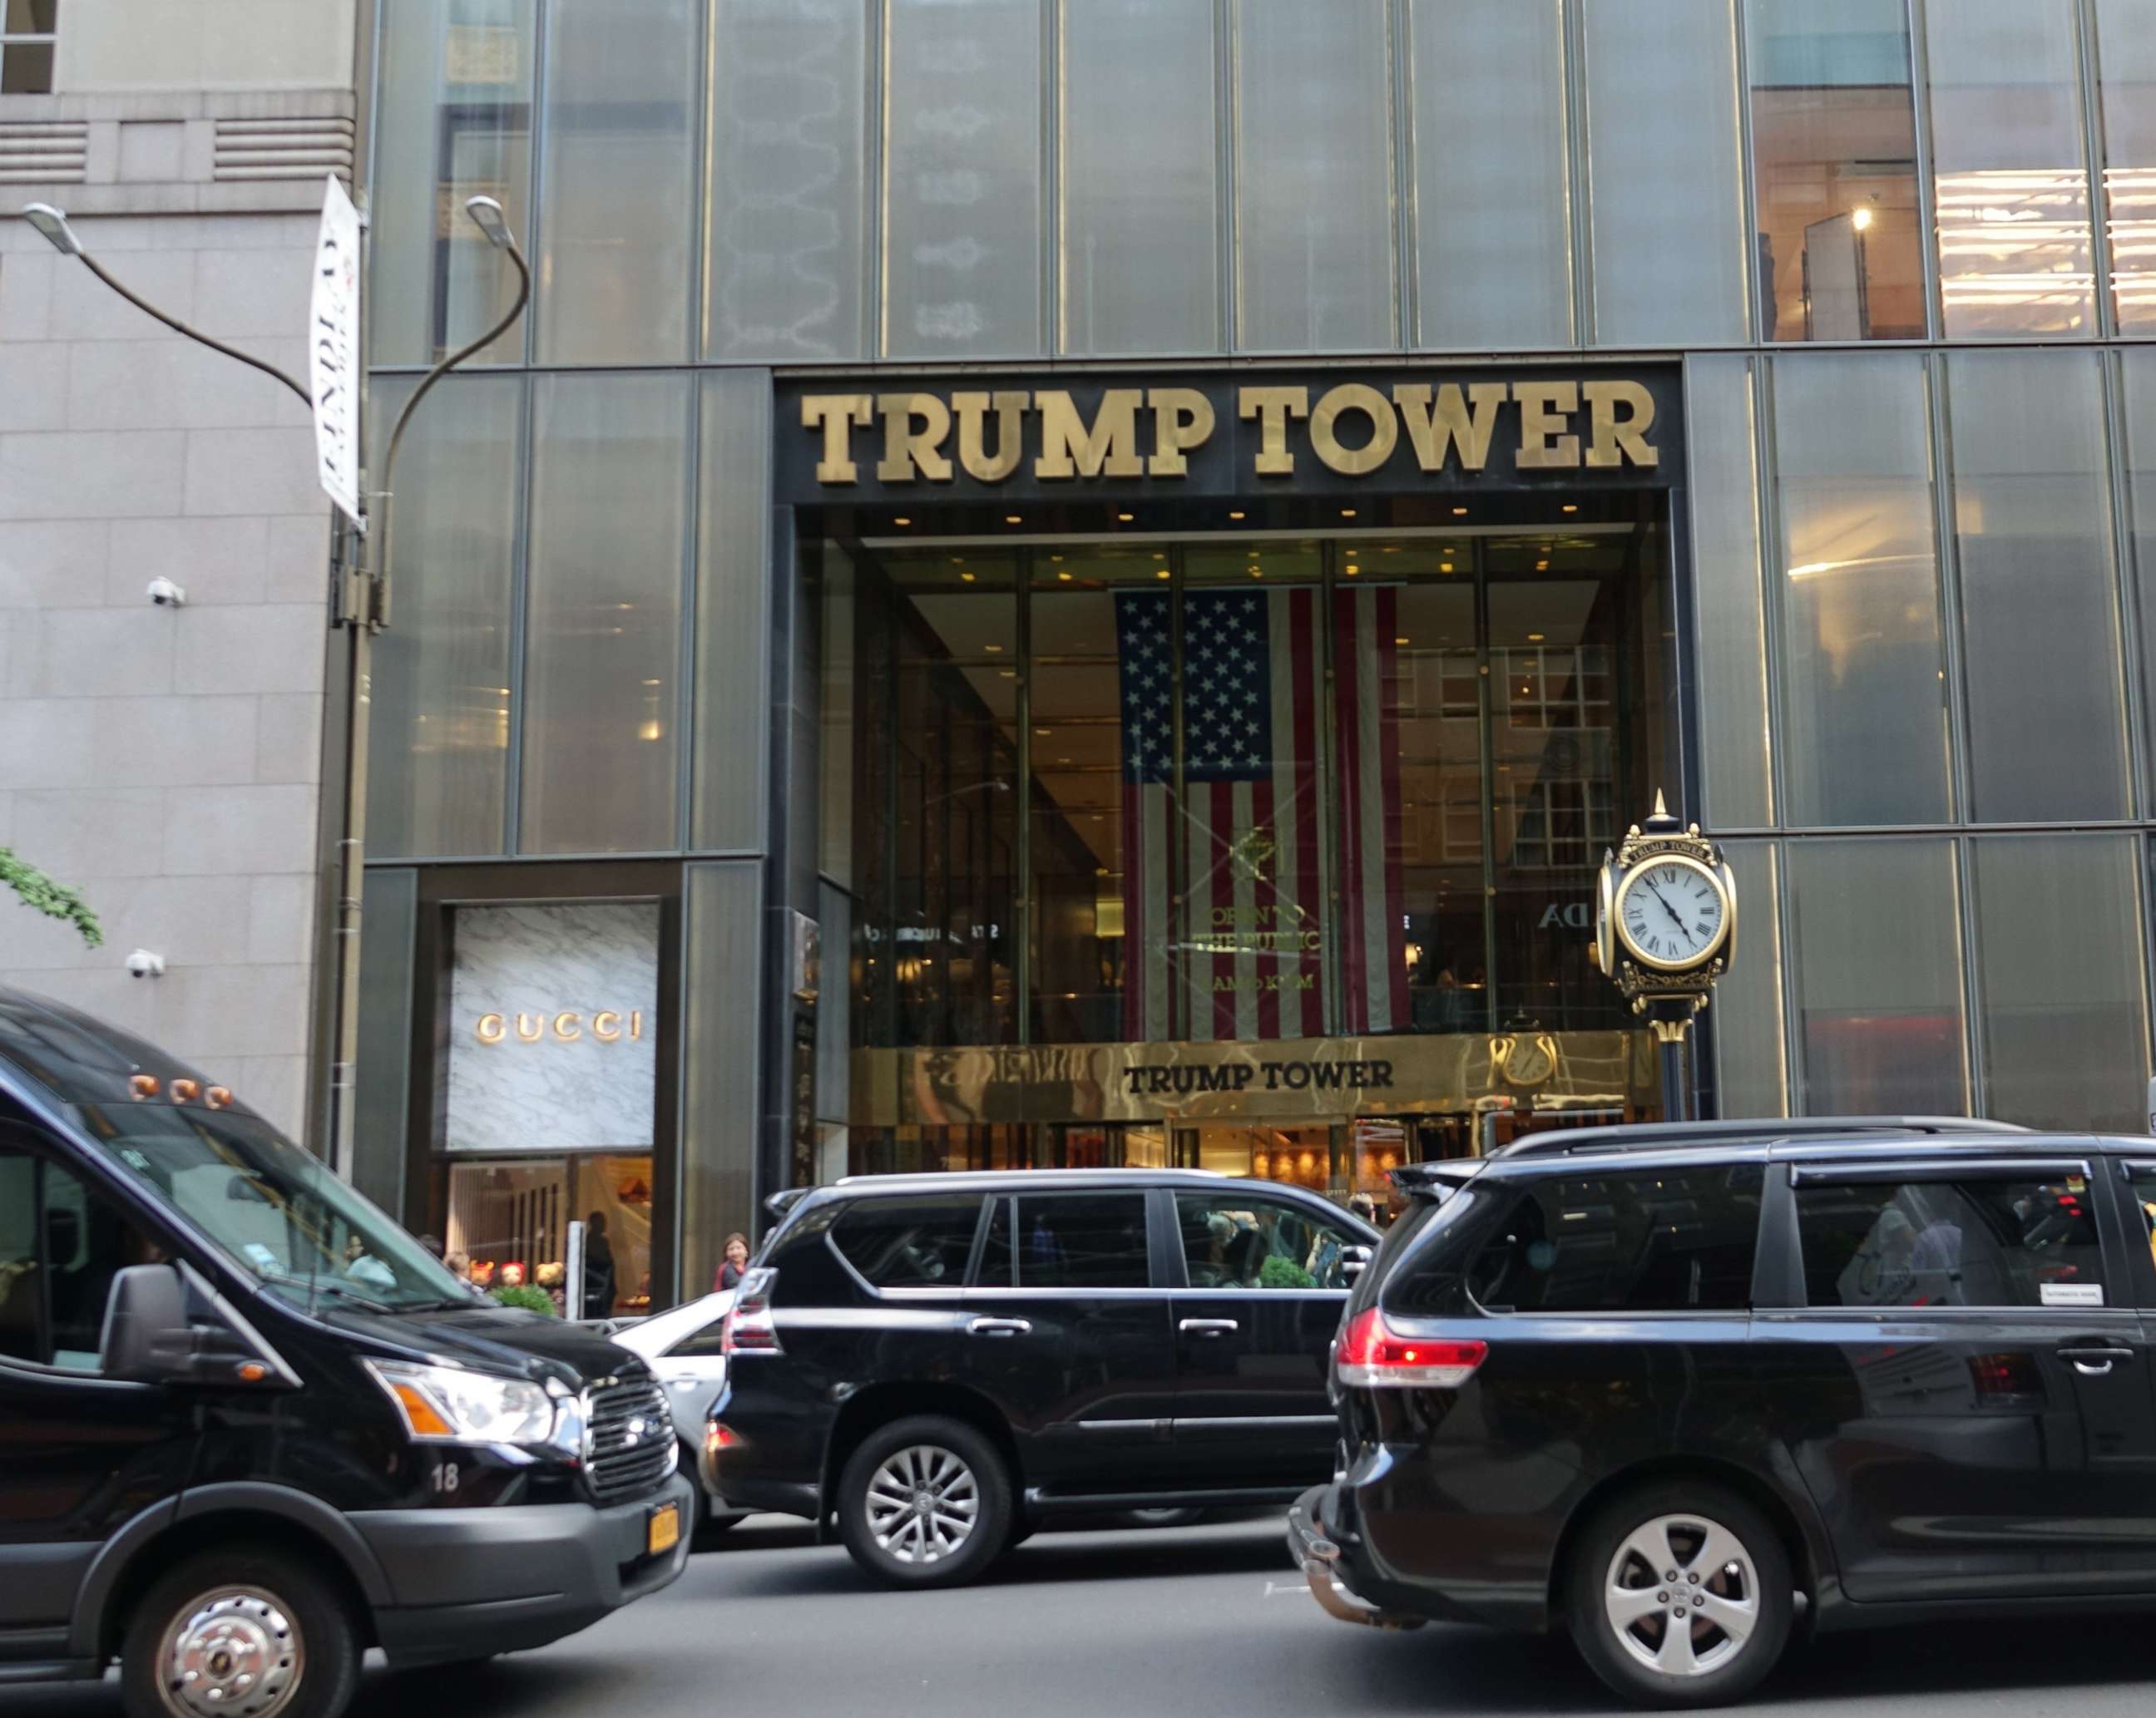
pixel 1083 1241
pixel 1233 1241
pixel 704 1342
pixel 920 1242
pixel 1657 1240
pixel 1976 1243
pixel 61 1246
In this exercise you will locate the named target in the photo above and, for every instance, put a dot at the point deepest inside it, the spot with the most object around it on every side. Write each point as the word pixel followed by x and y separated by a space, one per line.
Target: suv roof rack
pixel 1661 1135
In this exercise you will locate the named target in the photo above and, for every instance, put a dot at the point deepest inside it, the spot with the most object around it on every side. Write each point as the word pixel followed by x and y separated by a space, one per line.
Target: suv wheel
pixel 239 1632
pixel 1681 1595
pixel 925 1502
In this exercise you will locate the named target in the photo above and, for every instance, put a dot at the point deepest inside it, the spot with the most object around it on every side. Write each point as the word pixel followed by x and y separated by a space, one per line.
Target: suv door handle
pixel 999 1327
pixel 2095 1360
pixel 1208 1326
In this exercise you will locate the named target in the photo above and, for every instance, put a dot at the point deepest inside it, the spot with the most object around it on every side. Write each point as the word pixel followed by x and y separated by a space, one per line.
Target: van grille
pixel 629 1439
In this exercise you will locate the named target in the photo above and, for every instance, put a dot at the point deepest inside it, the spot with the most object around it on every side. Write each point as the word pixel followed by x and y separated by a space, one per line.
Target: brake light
pixel 750 1327
pixel 1373 1355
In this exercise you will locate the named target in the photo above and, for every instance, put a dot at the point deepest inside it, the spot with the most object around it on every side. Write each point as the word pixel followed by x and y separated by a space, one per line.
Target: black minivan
pixel 1682 1390
pixel 940 1362
pixel 251 1429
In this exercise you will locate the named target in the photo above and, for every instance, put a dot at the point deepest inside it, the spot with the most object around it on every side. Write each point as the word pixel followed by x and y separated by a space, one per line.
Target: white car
pixel 681 1346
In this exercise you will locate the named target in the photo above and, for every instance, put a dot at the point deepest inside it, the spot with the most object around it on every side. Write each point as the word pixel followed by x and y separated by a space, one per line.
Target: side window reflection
pixel 1238 1243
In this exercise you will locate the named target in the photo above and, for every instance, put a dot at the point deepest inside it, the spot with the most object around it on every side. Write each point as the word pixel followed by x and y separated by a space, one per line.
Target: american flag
pixel 1247 848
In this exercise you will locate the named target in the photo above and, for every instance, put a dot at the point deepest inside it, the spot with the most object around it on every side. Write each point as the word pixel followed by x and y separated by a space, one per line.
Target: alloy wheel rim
pixel 923 1501
pixel 1682 1595
pixel 233 1652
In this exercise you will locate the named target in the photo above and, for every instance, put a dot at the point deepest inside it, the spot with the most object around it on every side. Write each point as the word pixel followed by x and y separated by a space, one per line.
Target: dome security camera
pixel 145 964
pixel 166 594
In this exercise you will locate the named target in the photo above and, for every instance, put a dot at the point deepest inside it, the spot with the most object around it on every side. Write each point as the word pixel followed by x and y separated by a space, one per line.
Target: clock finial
pixel 1660 809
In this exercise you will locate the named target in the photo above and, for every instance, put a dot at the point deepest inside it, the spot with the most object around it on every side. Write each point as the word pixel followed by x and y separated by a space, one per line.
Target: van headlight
pixel 441 1404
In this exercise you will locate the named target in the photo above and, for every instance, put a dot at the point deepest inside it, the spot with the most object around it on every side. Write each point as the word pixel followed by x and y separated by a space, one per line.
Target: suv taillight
pixel 749 1328
pixel 1375 1356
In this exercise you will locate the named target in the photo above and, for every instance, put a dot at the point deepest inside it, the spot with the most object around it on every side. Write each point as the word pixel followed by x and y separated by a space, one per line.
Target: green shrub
pixel 524 1295
pixel 1280 1272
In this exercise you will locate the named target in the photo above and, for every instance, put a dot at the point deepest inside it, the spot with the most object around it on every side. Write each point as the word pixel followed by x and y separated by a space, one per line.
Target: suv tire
pixel 243 1611
pixel 925 1501
pixel 1680 1595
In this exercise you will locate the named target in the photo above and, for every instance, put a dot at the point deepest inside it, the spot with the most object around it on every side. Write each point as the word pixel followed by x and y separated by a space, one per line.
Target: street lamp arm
pixel 195 335
pixel 457 357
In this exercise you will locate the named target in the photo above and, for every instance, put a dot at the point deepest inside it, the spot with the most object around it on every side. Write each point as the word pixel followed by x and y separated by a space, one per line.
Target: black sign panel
pixel 888 440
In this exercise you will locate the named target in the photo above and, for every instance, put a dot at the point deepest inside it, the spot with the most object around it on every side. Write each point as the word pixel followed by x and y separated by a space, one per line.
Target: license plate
pixel 662 1531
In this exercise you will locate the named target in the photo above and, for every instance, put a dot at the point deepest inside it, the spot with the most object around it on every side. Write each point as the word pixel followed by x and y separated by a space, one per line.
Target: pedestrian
pixel 598 1268
pixel 734 1263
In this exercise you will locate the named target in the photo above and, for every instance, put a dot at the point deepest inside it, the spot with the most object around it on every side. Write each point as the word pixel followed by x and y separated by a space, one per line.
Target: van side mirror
pixel 150 1339
pixel 1355 1260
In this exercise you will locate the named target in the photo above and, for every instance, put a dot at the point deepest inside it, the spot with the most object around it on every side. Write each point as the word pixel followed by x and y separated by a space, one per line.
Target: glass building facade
pixel 943 878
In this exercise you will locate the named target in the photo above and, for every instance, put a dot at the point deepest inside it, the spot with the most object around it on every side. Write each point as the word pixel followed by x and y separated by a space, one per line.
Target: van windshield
pixel 276 1209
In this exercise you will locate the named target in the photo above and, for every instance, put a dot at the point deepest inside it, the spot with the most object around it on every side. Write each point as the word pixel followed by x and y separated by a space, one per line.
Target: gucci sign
pixel 608 1026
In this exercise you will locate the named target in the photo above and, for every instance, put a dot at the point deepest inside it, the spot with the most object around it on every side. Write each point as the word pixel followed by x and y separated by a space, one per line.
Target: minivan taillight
pixel 749 1327
pixel 1375 1356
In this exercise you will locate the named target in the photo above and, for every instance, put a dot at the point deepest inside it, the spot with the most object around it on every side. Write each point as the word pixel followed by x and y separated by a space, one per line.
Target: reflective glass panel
pixel 2011 167
pixel 454 122
pixel 733 608
pixel 786 223
pixel 619 135
pixel 2059 970
pixel 2039 605
pixel 1492 261
pixel 438 757
pixel 1834 163
pixel 2137 365
pixel 1438 694
pixel 1728 590
pixel 1086 692
pixel 935 818
pixel 1661 136
pixel 1138 238
pixel 1314 227
pixel 1753 1065
pixel 962 178
pixel 721 915
pixel 1876 953
pixel 602 647
pixel 1864 688
pixel 1569 763
pixel 2126 33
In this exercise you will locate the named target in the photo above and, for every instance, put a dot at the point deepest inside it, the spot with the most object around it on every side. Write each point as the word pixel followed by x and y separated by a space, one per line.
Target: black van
pixel 252 1429
pixel 1688 1390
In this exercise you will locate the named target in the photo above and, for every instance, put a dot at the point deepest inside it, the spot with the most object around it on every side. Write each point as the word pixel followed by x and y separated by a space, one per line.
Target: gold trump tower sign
pixel 1226 435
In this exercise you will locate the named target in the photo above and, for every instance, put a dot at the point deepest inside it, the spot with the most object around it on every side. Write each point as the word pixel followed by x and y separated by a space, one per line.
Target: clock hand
pixel 1667 907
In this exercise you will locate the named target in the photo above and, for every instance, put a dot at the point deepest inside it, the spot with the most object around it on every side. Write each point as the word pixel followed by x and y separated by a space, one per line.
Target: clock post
pixel 1666 932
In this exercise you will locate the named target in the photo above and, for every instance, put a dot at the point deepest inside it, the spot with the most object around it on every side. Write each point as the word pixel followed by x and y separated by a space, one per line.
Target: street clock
pixel 1666 921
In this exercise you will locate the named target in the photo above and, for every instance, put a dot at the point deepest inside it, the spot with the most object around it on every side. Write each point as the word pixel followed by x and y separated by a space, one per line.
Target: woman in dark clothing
pixel 736 1266
pixel 599 1269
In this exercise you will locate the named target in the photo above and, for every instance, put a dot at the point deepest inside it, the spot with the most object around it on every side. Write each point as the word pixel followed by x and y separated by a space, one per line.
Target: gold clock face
pixel 1672 914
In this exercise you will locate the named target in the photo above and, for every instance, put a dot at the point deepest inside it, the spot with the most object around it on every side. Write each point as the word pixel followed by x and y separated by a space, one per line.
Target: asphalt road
pixel 1203 1622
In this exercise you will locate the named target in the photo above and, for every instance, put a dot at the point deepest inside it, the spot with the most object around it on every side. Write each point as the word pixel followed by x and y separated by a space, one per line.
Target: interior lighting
pixel 902 521
pixel 1860 218
pixel 1126 517
pixel 1570 507
pixel 1013 519
pixel 1235 515
pixel 1459 512
pixel 1347 512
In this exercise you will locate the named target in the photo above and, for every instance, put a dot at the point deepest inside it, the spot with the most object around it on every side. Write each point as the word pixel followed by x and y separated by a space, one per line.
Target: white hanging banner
pixel 333 351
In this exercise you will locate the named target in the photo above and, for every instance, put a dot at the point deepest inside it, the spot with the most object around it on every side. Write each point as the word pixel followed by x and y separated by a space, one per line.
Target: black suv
pixel 1676 1388
pixel 940 1361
